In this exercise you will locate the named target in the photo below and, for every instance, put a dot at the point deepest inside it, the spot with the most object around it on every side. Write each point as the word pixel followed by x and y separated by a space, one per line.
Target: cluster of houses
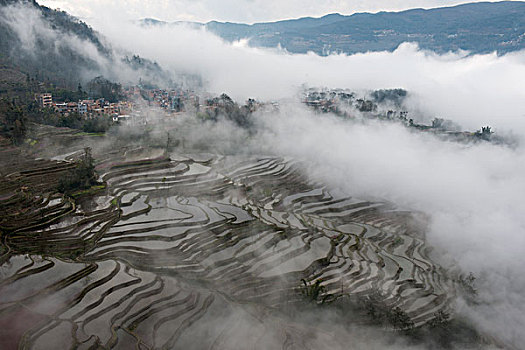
pixel 329 101
pixel 172 101
pixel 87 108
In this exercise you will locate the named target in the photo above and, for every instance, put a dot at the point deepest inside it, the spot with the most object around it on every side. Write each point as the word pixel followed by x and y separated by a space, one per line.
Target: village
pixel 137 105
pixel 129 107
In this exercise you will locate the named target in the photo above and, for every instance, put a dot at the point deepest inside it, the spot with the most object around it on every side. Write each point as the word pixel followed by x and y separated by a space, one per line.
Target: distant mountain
pixel 476 27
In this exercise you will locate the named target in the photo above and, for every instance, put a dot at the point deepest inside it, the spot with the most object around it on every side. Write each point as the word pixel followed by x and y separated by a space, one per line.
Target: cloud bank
pixel 472 90
pixel 471 192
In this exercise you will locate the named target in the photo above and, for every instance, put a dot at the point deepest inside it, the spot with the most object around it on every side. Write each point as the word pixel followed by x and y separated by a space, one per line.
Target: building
pixel 124 119
pixel 61 107
pixel 72 107
pixel 45 100
pixel 82 108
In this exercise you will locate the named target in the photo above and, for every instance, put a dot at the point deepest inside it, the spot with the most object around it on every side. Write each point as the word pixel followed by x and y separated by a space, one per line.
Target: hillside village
pixel 128 107
pixel 131 105
pixel 387 105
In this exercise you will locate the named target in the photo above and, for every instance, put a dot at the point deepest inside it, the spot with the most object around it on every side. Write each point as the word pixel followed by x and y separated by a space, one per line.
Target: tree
pixel 399 319
pixel 83 176
pixel 485 133
pixel 101 87
pixel 437 123
pixel 12 121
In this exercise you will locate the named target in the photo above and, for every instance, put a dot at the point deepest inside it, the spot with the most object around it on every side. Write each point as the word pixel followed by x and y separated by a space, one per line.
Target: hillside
pixel 53 47
pixel 46 53
pixel 476 27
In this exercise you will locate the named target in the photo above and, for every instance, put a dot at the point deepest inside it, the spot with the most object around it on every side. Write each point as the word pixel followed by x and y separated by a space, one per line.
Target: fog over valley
pixel 167 186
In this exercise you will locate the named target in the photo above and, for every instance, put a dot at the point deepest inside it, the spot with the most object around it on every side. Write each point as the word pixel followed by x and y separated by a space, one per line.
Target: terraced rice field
pixel 188 251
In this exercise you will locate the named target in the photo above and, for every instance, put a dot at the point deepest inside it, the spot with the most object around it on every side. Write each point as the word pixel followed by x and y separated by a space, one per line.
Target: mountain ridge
pixel 480 27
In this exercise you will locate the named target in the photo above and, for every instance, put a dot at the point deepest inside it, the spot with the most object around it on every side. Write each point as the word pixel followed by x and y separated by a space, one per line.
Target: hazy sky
pixel 247 11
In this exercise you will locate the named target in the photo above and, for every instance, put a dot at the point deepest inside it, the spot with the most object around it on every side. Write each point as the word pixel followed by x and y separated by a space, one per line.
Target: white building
pixel 82 108
pixel 46 100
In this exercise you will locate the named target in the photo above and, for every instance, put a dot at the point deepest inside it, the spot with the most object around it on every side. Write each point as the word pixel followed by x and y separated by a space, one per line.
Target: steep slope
pixel 52 46
pixel 41 42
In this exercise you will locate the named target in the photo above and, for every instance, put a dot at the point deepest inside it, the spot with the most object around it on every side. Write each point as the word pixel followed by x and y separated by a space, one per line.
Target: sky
pixel 244 11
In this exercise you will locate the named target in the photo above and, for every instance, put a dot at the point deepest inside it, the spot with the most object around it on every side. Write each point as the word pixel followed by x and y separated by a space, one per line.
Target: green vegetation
pixel 19 106
pixel 223 107
pixel 66 95
pixel 12 122
pixel 88 192
pixel 397 242
pixel 96 125
pixel 485 133
pixel 103 88
pixel 467 287
pixel 313 291
pixel 81 179
pixel 399 319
